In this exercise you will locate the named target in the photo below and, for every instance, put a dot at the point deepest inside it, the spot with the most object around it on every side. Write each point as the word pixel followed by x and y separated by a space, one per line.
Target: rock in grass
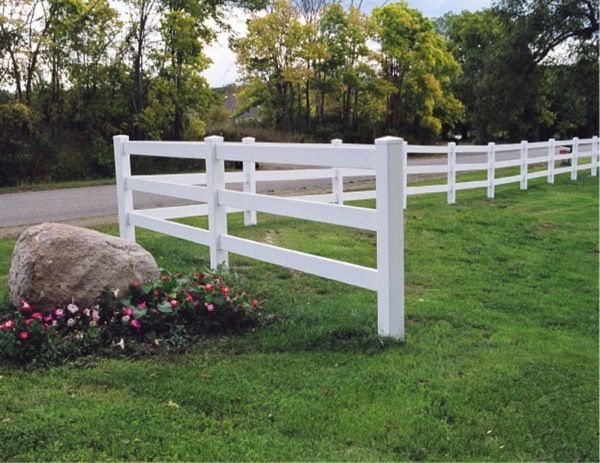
pixel 53 264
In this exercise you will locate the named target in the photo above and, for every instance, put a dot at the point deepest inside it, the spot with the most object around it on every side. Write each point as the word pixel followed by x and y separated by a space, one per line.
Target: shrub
pixel 169 312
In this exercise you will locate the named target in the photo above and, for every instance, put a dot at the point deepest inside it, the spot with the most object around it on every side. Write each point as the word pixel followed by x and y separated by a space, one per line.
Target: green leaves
pixel 164 307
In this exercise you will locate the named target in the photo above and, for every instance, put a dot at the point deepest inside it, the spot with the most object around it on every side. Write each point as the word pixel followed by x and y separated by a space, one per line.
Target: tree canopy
pixel 75 72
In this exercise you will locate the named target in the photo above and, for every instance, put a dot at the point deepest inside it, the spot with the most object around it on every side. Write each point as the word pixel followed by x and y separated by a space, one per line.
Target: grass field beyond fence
pixel 500 360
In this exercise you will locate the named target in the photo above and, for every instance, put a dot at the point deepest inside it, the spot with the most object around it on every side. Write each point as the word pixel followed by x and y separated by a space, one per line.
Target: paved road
pixel 69 204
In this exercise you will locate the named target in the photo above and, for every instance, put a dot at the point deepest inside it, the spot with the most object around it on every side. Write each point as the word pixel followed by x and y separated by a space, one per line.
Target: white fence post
pixel 390 236
pixel 551 161
pixel 405 176
pixel 452 173
pixel 491 173
pixel 337 180
pixel 524 152
pixel 249 184
pixel 594 170
pixel 575 153
pixel 124 196
pixel 217 215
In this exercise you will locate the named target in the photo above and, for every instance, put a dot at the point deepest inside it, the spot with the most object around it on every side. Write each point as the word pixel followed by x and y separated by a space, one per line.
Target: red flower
pixel 37 315
pixel 174 303
pixel 209 288
pixel 224 290
pixel 26 307
pixel 255 303
pixel 23 335
pixel 189 298
pixel 28 322
pixel 155 293
pixel 7 325
pixel 135 324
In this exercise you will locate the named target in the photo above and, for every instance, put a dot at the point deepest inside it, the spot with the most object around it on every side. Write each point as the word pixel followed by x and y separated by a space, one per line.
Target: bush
pixel 170 312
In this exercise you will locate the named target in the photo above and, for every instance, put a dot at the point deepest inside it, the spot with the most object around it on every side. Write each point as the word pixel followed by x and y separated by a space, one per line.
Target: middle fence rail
pixel 385 161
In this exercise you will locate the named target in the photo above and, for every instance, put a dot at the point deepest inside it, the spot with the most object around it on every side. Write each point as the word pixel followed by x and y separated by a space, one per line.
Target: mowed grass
pixel 500 361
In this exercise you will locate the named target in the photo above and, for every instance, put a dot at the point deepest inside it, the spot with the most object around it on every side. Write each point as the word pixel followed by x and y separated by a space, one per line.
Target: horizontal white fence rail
pixel 385 161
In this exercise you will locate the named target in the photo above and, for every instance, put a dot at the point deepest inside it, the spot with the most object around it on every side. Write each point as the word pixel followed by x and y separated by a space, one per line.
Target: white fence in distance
pixel 386 161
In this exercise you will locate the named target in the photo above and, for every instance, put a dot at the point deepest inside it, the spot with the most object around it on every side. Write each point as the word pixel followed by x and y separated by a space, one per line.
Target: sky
pixel 223 69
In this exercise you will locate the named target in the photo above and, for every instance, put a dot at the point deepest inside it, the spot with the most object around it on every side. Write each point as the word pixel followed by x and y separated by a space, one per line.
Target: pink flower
pixel 174 303
pixel 7 325
pixel 128 311
pixel 72 308
pixel 70 322
pixel 37 315
pixel 210 307
pixel 54 323
pixel 48 318
pixel 95 315
pixel 135 324
pixel 23 335
pixel 142 305
pixel 58 313
pixel 135 283
pixel 86 312
pixel 28 322
pixel 26 307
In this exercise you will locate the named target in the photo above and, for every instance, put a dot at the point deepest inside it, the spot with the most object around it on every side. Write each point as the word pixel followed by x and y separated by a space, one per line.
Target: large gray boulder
pixel 53 264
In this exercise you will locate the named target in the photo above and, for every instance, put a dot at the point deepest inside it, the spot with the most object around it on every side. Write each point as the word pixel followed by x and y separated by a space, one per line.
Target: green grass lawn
pixel 500 360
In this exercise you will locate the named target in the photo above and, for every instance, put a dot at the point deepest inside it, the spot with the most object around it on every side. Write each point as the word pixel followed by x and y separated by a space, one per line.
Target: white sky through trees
pixel 223 69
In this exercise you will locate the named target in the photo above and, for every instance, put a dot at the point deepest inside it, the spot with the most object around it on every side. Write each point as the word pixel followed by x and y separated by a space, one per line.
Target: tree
pixel 273 58
pixel 345 71
pixel 418 69
pixel 513 56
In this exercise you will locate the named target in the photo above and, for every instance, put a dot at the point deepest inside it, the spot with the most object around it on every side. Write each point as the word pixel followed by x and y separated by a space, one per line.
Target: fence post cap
pixel 524 142
pixel 336 141
pixel 491 143
pixel 248 140
pixel 120 137
pixel 214 139
pixel 388 140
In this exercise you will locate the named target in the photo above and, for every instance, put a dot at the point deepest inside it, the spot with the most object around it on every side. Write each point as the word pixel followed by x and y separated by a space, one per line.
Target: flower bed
pixel 167 312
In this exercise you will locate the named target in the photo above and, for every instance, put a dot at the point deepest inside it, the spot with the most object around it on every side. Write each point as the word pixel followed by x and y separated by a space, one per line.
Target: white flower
pixel 93 323
pixel 116 292
pixel 72 308
pixel 70 322
pixel 125 319
pixel 86 312
pixel 121 344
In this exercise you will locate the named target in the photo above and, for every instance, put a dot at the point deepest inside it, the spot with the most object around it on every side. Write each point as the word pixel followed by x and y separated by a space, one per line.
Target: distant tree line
pixel 522 69
pixel 75 72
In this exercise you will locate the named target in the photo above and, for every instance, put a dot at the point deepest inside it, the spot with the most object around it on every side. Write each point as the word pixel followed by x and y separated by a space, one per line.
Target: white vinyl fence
pixel 386 161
